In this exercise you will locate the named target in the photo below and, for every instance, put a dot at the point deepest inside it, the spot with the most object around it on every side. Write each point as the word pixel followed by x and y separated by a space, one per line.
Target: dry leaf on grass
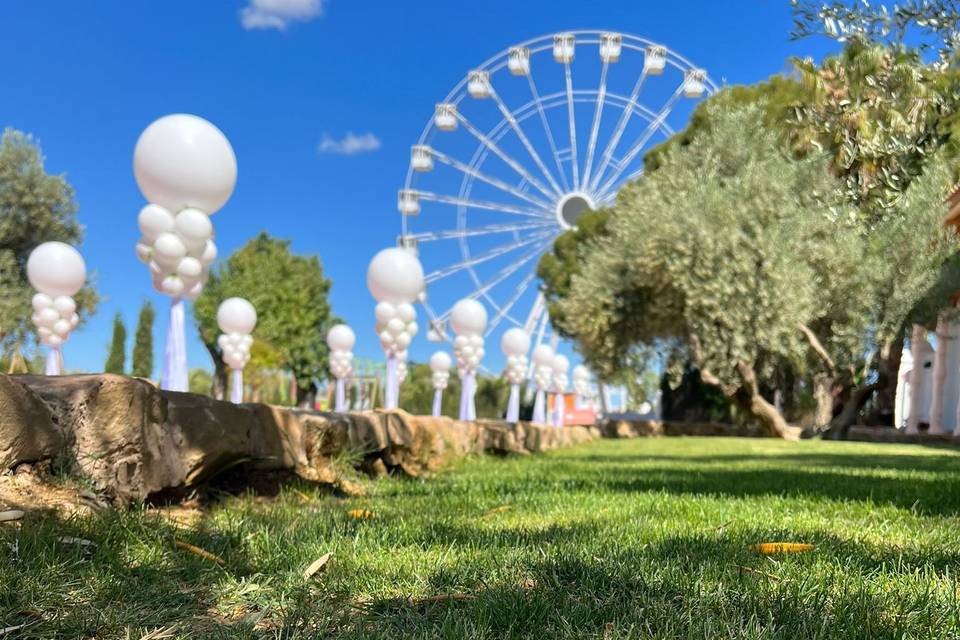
pixel 11 515
pixel 771 548
pixel 497 510
pixel 756 572
pixel 206 555
pixel 317 565
pixel 361 514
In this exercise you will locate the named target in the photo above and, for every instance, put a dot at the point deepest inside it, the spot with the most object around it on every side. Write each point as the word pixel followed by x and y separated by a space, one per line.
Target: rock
pixel 27 431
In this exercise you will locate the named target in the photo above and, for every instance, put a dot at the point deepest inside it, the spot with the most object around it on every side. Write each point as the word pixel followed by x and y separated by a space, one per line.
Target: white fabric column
pixel 945 376
pixel 52 365
pixel 920 379
pixel 174 374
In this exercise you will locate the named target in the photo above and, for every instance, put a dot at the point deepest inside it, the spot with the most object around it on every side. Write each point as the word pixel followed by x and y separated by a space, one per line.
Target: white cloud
pixel 278 14
pixel 351 144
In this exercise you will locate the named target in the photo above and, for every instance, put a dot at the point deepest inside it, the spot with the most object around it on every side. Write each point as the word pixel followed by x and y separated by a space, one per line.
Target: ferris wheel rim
pixel 602 186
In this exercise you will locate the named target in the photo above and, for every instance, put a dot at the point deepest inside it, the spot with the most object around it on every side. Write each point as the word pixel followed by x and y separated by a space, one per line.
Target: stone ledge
pixel 861 433
pixel 617 428
pixel 132 441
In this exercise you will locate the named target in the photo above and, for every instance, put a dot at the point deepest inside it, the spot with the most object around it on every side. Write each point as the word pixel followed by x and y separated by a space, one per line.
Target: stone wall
pixel 132 441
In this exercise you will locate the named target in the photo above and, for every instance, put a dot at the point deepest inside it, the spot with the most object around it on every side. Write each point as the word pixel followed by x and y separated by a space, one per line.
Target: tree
pixel 289 293
pixel 199 381
pixel 143 342
pixel 117 356
pixel 35 207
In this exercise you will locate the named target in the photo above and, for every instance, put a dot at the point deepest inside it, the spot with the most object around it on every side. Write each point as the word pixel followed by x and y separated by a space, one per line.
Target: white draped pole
pixel 237 319
pixel 186 170
pixel 57 271
pixel 515 343
pixel 440 366
pixel 560 367
pixel 395 279
pixel 468 318
pixel 543 378
pixel 340 340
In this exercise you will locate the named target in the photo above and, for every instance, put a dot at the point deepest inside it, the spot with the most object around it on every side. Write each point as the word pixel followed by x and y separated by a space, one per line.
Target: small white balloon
pixel 144 251
pixel 154 220
pixel 65 305
pixel 44 332
pixel 403 340
pixel 460 342
pixel 41 301
pixel 406 312
pixel 440 361
pixel 189 268
pixel 396 326
pixel 194 227
pixel 412 328
pixel 61 327
pixel 223 341
pixel 54 340
pixel 247 342
pixel 57 269
pixel 47 317
pixel 168 250
pixel 209 253
pixel 172 286
pixel 194 291
pixel 385 312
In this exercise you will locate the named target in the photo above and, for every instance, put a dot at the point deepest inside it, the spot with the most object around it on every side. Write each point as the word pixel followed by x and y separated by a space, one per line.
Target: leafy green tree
pixel 35 207
pixel 143 342
pixel 199 381
pixel 117 356
pixel 289 293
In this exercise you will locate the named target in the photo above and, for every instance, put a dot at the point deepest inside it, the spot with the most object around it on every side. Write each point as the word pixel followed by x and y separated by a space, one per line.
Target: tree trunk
pixel 823 395
pixel 306 396
pixel 218 385
pixel 750 399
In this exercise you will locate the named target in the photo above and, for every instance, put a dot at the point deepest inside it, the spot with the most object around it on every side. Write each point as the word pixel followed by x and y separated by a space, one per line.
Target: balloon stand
pixel 513 407
pixel 174 375
pixel 236 386
pixel 52 366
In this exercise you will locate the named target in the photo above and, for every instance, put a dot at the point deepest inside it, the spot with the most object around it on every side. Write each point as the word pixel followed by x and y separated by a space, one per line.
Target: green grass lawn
pixel 642 538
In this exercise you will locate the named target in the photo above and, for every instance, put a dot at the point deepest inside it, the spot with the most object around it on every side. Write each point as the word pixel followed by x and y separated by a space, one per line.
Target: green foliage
pixel 117 356
pixel 143 342
pixel 289 293
pixel 416 394
pixel 199 381
pixel 35 207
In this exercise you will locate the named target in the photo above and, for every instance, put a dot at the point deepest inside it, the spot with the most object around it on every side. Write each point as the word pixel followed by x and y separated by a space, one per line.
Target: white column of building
pixel 919 350
pixel 945 400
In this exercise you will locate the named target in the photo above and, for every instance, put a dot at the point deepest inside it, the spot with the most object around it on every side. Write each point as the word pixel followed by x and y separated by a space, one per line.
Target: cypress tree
pixel 143 343
pixel 116 358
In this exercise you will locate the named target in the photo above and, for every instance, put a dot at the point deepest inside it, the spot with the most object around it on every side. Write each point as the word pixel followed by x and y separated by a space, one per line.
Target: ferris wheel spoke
pixel 485 257
pixel 641 141
pixel 618 131
pixel 546 128
pixel 568 72
pixel 495 182
pixel 482 204
pixel 505 309
pixel 492 146
pixel 508 115
pixel 595 129
pixel 456 234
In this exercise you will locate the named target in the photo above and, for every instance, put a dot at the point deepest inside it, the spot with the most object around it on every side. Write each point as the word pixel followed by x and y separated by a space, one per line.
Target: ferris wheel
pixel 520 148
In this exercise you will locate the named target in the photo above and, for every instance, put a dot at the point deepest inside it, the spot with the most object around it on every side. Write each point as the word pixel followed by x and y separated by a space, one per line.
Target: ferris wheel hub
pixel 571 206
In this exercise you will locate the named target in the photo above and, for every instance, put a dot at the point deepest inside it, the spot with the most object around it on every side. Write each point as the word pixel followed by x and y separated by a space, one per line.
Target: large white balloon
pixel 236 315
pixel 468 317
pixel 580 372
pixel 515 342
pixel 440 361
pixel 395 275
pixel 182 161
pixel 341 338
pixel 543 355
pixel 56 269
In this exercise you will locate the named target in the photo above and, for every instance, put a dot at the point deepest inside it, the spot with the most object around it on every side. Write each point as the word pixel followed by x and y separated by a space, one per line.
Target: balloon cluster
pixel 178 249
pixel 515 343
pixel 543 367
pixel 581 383
pixel 396 326
pixel 57 271
pixel 341 339
pixel 440 366
pixel 237 318
pixel 186 169
pixel 468 319
pixel 395 279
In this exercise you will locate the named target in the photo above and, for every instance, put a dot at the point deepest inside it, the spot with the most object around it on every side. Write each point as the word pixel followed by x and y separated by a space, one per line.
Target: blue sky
pixel 288 81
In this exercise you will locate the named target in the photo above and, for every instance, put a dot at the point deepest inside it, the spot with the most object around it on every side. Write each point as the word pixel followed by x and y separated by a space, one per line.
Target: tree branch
pixel 817 347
